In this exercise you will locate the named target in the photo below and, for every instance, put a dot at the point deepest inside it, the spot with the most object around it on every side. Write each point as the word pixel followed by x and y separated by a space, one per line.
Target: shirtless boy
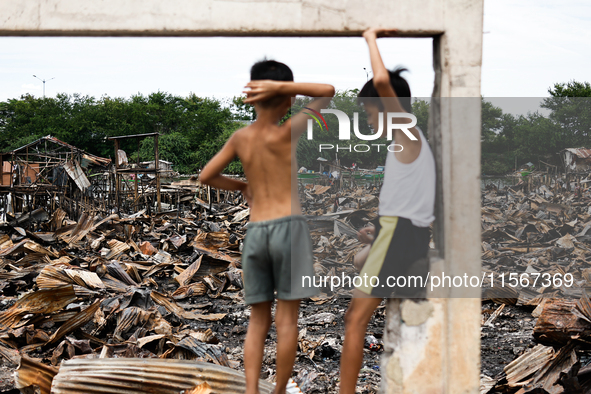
pixel 267 152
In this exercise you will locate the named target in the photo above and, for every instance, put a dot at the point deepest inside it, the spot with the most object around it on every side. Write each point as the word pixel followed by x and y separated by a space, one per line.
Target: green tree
pixel 491 123
pixel 184 124
pixel 210 147
pixel 241 110
pixel 420 109
pixel 570 104
pixel 171 147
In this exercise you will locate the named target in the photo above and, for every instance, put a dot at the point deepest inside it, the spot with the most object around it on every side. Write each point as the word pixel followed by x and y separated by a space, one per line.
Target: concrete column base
pixel 412 361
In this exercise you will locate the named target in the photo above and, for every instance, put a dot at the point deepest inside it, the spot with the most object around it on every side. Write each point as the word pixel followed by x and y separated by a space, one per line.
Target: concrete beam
pixel 219 17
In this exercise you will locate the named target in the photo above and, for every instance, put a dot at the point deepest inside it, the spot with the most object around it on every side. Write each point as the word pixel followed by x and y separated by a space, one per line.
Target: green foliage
pixel 570 104
pixel 171 147
pixel 420 109
pixel 571 89
pixel 241 110
pixel 491 123
pixel 537 138
pixel 507 138
pixel 193 129
pixel 211 146
pixel 497 163
pixel 184 124
pixel 531 137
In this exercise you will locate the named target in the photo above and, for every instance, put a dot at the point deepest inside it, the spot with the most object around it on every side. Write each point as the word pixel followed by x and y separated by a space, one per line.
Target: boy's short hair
pixel 273 70
pixel 369 94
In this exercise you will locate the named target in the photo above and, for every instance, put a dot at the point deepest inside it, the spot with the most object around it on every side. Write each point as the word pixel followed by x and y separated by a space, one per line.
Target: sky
pixel 528 46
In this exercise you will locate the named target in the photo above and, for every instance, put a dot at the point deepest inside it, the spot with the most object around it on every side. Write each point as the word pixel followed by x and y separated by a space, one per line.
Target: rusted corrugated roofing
pixel 39 302
pixel 92 158
pixel 75 172
pixel 31 372
pixel 529 362
pixel 581 153
pixel 142 376
pixel 74 323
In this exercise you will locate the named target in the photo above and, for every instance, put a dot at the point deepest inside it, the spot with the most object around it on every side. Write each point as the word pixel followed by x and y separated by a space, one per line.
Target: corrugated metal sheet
pixel 185 277
pixel 84 226
pixel 31 372
pixel 577 159
pixel 122 158
pixel 54 276
pixel 75 172
pixel 94 159
pixel 39 302
pixel 143 376
pixel 528 363
pixel 171 305
pixel 194 349
pixel 8 251
pixel 33 247
pixel 74 323
pixel 581 153
pixel 117 247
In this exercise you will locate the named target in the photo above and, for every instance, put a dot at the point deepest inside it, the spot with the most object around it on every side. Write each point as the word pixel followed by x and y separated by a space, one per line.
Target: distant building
pixel 49 162
pixel 576 159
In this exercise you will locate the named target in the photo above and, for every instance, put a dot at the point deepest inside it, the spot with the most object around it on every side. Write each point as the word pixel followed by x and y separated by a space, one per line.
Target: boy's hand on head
pixel 376 32
pixel 262 90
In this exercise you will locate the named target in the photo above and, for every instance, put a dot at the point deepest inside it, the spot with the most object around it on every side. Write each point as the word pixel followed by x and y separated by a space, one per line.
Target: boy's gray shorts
pixel 277 254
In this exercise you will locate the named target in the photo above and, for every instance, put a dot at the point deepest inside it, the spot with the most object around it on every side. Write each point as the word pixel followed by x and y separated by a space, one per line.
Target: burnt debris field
pixel 80 294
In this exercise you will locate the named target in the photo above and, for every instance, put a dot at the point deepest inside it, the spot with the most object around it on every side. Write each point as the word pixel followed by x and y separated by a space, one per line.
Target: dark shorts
pixel 277 254
pixel 399 249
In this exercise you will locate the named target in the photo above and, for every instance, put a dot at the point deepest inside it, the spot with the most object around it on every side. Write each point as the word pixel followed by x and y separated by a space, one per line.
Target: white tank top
pixel 409 189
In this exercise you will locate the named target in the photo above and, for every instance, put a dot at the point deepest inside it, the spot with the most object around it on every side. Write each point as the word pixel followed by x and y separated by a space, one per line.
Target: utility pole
pixel 43 80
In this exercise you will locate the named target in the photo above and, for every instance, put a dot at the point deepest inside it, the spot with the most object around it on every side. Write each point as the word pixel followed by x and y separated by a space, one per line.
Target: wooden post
pixel 116 173
pixel 12 170
pixel 178 210
pixel 2 173
pixel 157 168
pixel 136 174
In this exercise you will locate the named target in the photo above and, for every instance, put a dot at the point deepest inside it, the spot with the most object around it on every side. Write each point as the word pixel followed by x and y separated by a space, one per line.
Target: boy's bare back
pixel 265 151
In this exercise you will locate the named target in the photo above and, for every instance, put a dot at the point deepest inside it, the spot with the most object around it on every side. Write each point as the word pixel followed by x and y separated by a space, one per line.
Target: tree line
pixel 563 122
pixel 192 129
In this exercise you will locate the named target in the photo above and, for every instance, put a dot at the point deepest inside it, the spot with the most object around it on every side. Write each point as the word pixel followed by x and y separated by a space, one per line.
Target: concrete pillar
pixel 434 346
pixel 413 347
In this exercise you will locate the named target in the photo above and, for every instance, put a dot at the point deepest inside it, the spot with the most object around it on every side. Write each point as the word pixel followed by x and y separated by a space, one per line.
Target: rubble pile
pixel 536 260
pixel 334 220
pixel 120 286
pixel 334 217
pixel 165 286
